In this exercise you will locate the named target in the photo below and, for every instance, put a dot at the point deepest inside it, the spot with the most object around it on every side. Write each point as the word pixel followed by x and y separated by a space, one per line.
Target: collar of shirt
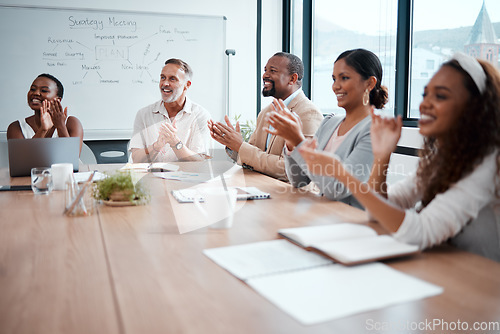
pixel 286 102
pixel 187 108
pixel 291 97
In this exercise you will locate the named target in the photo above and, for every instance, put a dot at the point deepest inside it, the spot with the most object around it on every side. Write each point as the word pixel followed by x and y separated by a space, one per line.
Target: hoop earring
pixel 366 97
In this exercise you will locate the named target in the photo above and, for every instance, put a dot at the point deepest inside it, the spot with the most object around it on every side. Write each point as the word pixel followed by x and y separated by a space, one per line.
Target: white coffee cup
pixel 218 207
pixel 61 173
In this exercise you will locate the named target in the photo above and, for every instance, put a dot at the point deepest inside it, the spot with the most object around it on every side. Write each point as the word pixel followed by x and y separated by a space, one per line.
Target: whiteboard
pixel 108 61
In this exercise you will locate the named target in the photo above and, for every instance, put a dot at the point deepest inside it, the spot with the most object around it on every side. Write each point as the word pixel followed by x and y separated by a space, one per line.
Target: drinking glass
pixel 41 180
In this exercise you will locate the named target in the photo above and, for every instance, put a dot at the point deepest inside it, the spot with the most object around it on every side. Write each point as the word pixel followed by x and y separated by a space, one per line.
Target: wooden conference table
pixel 128 270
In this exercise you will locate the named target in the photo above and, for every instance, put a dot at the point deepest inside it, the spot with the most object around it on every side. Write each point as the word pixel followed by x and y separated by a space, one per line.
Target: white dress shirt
pixel 191 124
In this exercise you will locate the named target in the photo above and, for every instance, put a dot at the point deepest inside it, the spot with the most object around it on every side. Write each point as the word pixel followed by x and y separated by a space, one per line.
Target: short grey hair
pixel 183 65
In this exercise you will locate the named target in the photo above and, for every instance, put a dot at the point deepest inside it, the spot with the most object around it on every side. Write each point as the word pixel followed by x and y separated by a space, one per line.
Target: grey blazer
pixel 355 153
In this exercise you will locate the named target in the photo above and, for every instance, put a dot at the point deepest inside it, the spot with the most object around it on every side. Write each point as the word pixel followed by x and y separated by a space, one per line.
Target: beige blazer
pixel 270 161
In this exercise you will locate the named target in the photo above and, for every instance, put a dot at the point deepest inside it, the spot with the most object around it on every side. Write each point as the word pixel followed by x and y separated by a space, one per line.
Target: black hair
pixel 295 65
pixel 367 64
pixel 60 88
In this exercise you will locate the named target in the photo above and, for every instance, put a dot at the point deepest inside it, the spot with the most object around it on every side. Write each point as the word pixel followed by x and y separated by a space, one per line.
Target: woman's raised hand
pixel 57 113
pixel 385 134
pixel 46 122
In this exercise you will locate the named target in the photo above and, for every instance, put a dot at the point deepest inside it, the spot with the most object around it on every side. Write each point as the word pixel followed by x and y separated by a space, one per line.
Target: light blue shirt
pixel 286 102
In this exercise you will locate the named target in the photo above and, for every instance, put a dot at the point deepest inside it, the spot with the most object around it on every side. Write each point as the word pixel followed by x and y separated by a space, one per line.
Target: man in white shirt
pixel 173 128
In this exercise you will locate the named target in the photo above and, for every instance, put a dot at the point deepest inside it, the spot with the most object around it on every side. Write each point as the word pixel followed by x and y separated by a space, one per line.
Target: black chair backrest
pixel 109 151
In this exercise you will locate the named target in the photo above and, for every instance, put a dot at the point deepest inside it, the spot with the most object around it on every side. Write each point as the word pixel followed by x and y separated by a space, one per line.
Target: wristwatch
pixel 178 146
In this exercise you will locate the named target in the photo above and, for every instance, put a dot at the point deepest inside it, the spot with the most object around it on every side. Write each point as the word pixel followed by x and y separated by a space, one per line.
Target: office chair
pixel 109 151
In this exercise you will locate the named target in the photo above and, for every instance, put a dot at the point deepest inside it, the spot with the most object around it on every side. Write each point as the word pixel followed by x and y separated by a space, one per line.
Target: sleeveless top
pixel 27 130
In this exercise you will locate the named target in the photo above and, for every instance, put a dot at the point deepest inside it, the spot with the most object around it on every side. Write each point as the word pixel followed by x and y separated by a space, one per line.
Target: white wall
pixel 272 26
pixel 402 165
pixel 410 137
pixel 241 36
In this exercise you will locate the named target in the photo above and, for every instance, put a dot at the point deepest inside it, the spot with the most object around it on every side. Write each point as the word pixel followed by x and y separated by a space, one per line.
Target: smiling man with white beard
pixel 173 128
pixel 282 79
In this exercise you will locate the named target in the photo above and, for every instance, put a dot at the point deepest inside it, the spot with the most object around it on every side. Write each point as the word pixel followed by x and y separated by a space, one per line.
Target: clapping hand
pixel 57 113
pixel 385 134
pixel 285 124
pixel 46 122
pixel 168 135
pixel 226 134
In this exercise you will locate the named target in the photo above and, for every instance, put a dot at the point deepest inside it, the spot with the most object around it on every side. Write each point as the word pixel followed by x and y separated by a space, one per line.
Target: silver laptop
pixel 25 154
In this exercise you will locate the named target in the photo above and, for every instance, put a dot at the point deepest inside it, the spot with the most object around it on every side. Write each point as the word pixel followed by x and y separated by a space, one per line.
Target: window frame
pixel 403 52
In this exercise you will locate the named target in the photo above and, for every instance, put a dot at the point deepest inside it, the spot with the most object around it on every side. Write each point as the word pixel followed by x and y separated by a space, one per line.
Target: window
pixel 437 35
pixel 439 29
pixel 297 27
pixel 341 25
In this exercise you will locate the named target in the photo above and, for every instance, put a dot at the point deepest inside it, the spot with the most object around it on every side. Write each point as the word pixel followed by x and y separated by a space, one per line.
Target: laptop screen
pixel 25 154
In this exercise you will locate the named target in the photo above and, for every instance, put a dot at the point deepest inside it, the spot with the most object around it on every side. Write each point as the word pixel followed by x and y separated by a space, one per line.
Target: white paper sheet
pixel 329 292
pixel 146 166
pixel 313 289
pixel 199 177
pixel 186 176
pixel 84 176
pixel 264 258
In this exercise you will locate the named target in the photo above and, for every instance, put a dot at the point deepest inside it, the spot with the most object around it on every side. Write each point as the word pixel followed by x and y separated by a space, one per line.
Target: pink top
pixel 335 141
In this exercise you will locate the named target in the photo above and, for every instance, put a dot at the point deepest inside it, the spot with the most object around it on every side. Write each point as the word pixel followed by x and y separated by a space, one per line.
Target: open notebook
pixel 347 243
pixel 313 289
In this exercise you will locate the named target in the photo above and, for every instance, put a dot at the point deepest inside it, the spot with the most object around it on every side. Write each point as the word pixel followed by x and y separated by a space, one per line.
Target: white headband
pixel 473 68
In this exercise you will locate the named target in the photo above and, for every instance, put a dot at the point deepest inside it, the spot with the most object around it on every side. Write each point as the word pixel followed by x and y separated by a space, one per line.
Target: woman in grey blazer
pixel 357 76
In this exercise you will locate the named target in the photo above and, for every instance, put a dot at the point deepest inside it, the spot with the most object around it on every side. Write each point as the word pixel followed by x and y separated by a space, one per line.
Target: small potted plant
pixel 118 189
pixel 246 128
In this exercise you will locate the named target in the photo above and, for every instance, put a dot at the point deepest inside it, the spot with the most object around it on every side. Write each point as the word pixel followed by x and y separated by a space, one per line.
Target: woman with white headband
pixel 454 194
